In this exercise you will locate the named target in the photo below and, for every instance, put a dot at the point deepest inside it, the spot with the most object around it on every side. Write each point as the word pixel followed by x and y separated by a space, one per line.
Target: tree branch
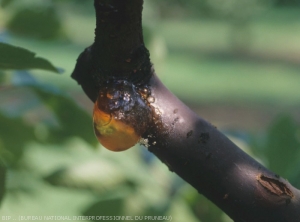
pixel 187 144
pixel 118 51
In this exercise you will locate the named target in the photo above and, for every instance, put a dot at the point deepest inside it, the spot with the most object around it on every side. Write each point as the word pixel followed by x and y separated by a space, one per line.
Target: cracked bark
pixel 190 146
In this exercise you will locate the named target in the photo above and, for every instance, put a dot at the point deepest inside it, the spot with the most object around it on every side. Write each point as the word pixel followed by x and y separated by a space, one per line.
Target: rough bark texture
pixel 187 144
pixel 118 51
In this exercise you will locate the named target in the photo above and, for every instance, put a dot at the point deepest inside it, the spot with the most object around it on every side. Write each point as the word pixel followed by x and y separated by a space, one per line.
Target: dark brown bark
pixel 187 144
pixel 118 51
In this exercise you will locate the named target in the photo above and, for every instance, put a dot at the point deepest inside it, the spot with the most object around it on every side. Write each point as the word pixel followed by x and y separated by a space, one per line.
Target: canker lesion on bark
pixel 190 146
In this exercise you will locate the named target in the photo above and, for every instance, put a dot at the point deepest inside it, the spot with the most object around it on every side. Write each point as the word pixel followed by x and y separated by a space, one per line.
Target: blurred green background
pixel 234 62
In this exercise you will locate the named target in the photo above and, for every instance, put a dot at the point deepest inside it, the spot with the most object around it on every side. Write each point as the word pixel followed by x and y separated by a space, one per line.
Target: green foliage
pixel 36 22
pixel 289 3
pixel 13 138
pixel 279 148
pixel 204 209
pixel 283 145
pixel 110 207
pixel 107 184
pixel 2 77
pixel 13 57
pixel 174 8
pixel 5 3
pixel 73 121
pixel 18 133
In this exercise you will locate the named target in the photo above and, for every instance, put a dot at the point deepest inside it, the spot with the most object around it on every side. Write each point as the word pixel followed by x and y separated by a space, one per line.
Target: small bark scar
pixel 274 186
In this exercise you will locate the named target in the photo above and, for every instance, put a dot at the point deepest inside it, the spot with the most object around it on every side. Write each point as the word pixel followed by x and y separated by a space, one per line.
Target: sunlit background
pixel 234 62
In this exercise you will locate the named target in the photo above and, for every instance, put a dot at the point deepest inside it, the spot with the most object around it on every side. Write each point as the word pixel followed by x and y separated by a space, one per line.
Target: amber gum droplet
pixel 151 99
pixel 111 132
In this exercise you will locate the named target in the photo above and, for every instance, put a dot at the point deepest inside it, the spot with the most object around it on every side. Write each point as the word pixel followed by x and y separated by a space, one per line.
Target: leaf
pixel 12 57
pixel 5 3
pixel 202 208
pixel 106 208
pixel 283 147
pixel 181 211
pixel 39 21
pixel 14 134
pixel 294 175
pixel 73 121
pixel 101 177
pixel 2 77
pixel 54 117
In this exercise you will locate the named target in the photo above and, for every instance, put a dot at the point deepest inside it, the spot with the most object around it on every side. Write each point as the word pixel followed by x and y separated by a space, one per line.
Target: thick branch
pixel 187 144
pixel 118 51
pixel 217 168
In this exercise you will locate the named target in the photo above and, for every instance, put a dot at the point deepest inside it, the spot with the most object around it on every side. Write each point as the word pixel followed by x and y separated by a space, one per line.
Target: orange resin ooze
pixel 120 116
pixel 111 133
